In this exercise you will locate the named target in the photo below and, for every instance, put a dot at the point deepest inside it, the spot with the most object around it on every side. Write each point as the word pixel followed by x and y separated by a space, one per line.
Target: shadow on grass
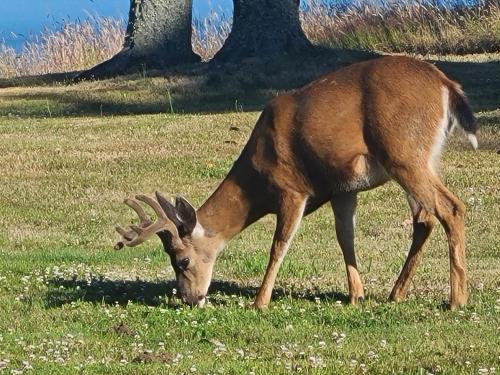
pixel 92 103
pixel 205 88
pixel 480 80
pixel 111 292
pixel 212 90
pixel 196 88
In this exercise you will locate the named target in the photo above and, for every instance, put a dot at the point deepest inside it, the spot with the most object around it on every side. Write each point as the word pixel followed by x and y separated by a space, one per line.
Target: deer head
pixel 183 238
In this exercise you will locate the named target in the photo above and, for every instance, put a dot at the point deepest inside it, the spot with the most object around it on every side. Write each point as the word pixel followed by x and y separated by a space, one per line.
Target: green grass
pixel 63 290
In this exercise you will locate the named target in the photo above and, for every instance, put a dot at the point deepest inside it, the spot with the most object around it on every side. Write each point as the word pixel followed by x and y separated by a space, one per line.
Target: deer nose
pixel 201 301
pixel 194 300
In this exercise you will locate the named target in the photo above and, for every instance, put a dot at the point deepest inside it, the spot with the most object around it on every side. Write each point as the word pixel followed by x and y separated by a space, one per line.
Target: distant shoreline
pixel 20 24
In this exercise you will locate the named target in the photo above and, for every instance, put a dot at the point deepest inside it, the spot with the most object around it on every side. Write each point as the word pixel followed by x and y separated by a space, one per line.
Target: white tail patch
pixel 473 140
pixel 442 130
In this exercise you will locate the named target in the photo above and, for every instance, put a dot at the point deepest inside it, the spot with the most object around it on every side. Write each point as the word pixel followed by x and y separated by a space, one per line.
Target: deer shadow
pixel 160 293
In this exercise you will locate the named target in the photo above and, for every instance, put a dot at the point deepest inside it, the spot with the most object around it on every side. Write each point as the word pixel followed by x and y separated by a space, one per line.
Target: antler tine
pixel 120 230
pixel 153 204
pixel 133 204
pixel 161 215
pixel 157 226
pixel 128 235
pixel 137 234
pixel 137 229
pixel 160 198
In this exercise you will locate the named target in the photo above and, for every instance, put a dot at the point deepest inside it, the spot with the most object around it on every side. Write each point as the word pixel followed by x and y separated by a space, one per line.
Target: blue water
pixel 22 18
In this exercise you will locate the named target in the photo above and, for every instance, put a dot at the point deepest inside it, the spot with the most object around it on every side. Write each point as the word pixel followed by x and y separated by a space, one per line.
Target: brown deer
pixel 348 131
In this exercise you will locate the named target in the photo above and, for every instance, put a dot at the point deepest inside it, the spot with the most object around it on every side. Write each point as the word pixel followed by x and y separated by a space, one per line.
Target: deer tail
pixel 461 113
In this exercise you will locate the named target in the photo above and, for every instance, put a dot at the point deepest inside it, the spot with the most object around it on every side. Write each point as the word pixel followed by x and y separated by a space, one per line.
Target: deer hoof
pixel 397 295
pixel 454 305
pixel 259 306
pixel 356 300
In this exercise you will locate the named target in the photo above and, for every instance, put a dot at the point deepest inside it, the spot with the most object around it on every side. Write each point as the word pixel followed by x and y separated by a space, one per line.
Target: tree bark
pixel 263 29
pixel 158 36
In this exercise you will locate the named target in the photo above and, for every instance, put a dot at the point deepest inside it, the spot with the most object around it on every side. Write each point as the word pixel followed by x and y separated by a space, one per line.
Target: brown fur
pixel 348 131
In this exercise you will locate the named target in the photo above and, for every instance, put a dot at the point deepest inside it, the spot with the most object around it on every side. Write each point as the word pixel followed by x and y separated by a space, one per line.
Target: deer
pixel 346 132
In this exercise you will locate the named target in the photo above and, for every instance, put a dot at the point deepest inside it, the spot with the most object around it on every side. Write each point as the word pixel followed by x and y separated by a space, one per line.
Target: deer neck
pixel 234 205
pixel 226 211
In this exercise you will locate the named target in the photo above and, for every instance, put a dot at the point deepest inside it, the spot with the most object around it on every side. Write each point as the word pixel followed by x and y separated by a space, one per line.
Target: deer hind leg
pixel 432 195
pixel 289 216
pixel 343 206
pixel 423 222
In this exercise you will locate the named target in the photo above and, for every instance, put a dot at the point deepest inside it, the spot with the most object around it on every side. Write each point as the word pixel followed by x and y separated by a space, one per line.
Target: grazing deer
pixel 348 131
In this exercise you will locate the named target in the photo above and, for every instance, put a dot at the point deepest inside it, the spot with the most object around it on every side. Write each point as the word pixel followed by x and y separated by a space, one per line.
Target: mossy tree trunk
pixel 263 29
pixel 158 36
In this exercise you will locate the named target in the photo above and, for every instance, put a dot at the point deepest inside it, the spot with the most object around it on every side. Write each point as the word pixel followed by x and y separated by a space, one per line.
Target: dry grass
pixel 400 26
pixel 210 33
pixel 405 26
pixel 66 47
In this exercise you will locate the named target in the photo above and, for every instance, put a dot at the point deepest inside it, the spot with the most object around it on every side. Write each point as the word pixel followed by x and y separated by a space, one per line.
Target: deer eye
pixel 183 264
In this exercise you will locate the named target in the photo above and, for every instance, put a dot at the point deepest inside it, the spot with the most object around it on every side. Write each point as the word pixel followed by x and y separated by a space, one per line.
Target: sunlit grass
pixel 64 291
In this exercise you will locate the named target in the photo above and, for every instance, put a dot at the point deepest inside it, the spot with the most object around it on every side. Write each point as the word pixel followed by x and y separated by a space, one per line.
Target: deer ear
pixel 186 214
pixel 168 208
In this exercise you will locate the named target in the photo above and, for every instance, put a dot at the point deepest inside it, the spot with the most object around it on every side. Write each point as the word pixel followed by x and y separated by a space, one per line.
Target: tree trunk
pixel 158 36
pixel 263 29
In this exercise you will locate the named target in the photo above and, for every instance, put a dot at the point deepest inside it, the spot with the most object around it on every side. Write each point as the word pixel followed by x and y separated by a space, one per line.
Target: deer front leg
pixel 289 216
pixel 344 206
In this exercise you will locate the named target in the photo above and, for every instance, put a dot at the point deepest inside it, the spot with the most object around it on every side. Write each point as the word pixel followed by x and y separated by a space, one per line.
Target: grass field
pixel 70 304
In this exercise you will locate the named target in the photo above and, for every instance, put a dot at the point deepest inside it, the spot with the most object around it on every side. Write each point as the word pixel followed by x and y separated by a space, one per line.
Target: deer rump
pixel 347 130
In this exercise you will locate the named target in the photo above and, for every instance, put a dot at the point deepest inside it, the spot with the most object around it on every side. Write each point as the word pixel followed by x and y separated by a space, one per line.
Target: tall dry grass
pixel 411 26
pixel 210 33
pixel 65 47
pixel 421 26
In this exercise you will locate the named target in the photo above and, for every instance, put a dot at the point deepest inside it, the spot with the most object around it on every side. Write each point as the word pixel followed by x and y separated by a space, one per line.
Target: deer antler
pixel 137 234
